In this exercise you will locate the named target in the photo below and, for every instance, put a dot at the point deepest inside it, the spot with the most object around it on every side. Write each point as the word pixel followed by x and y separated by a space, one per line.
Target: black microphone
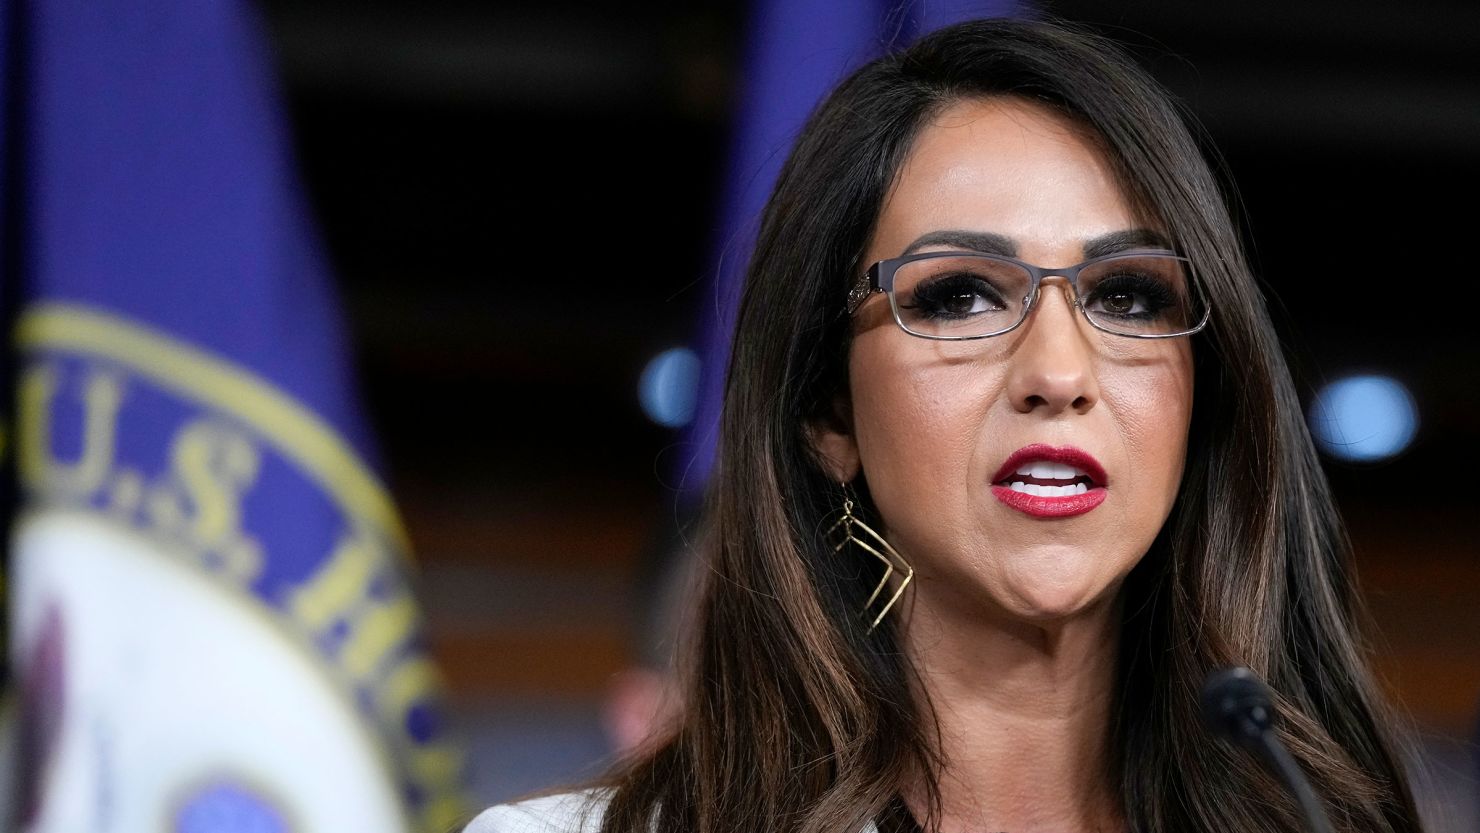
pixel 1237 706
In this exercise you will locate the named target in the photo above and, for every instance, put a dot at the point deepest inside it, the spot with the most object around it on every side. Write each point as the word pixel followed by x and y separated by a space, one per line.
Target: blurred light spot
pixel 1364 418
pixel 669 388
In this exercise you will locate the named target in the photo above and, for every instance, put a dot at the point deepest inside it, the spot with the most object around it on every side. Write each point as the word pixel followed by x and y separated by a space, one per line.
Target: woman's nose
pixel 1053 367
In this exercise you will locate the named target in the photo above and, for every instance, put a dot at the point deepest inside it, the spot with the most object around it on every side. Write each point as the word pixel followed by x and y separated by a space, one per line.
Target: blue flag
pixel 210 617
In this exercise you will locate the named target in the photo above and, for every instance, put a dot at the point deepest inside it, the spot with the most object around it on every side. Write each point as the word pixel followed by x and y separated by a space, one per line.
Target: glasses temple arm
pixel 866 285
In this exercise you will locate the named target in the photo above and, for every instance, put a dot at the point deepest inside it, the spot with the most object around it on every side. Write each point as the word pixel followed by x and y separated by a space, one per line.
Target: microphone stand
pixel 1237 706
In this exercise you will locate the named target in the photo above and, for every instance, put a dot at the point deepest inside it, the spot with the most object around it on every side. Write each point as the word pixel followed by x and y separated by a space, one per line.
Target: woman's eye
pixel 1130 296
pixel 1118 303
pixel 955 296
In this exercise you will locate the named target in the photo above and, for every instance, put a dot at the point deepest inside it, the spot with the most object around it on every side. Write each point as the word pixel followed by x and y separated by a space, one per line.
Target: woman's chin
pixel 1044 609
pixel 1043 602
pixel 1056 584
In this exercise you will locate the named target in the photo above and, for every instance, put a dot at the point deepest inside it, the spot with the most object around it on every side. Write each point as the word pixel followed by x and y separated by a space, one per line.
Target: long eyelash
pixel 928 296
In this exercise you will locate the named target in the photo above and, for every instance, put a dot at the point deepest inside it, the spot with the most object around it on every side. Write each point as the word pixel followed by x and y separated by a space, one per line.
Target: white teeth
pixel 1048 491
pixel 1044 470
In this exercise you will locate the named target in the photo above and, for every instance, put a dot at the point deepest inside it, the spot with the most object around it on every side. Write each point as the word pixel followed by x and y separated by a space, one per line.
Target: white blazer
pixel 573 812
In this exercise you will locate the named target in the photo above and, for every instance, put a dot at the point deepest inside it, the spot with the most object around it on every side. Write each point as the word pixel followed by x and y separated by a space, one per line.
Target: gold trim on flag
pixel 297 432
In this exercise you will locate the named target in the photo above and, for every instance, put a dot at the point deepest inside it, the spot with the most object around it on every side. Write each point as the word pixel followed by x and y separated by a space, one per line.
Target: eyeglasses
pixel 964 295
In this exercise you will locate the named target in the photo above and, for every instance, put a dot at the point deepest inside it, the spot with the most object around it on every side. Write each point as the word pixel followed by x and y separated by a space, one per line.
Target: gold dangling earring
pixel 875 545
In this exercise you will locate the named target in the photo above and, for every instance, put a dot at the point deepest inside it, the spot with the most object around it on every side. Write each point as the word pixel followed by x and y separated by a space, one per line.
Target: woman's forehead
pixel 1006 167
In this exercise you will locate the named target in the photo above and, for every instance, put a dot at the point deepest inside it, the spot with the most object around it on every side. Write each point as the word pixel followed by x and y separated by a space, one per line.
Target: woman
pixel 1090 484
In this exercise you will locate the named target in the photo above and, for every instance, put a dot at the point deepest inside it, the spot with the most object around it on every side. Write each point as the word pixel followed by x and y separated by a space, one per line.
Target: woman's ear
pixel 831 435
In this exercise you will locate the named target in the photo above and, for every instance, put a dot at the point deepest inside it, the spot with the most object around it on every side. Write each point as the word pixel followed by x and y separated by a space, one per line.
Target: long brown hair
pixel 796 718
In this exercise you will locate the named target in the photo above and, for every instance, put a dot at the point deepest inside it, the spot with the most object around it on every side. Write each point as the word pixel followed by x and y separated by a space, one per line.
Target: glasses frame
pixel 880 278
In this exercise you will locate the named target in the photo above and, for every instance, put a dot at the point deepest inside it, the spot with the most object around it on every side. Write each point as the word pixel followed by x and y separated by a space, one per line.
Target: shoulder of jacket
pixel 569 812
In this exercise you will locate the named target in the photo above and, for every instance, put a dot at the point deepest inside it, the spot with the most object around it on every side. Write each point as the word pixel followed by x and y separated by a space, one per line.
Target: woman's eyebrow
pixel 985 242
pixel 992 243
pixel 1120 241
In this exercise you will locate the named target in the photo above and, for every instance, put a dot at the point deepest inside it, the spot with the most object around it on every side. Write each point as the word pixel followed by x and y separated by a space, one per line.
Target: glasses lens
pixel 1142 295
pixel 960 296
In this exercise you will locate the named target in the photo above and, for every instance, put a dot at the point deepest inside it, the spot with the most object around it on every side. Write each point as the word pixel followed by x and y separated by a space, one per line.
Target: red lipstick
pixel 1092 476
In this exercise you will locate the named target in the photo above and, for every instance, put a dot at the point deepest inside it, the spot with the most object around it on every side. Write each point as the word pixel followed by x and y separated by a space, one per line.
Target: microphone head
pixel 1237 706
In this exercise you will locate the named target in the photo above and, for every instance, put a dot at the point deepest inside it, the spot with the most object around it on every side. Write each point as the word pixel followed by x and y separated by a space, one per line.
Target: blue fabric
pixel 185 362
pixel 163 189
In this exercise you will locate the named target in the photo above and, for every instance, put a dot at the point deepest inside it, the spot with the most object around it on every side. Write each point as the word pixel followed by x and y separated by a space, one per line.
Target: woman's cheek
pixel 917 444
pixel 1153 408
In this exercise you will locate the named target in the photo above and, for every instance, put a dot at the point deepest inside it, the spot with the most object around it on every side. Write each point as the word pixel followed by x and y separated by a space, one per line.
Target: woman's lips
pixel 1051 507
pixel 1046 468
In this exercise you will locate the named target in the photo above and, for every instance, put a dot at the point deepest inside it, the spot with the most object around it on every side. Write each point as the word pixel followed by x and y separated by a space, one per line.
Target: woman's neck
pixel 1024 716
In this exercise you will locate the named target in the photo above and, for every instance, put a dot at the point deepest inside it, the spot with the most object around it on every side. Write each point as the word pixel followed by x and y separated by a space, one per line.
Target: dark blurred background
pixel 521 202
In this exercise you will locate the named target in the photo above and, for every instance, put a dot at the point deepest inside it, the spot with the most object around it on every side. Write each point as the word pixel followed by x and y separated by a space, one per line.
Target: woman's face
pixel 933 425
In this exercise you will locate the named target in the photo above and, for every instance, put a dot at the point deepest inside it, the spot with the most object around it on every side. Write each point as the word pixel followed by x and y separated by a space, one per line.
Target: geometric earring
pixel 847 531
